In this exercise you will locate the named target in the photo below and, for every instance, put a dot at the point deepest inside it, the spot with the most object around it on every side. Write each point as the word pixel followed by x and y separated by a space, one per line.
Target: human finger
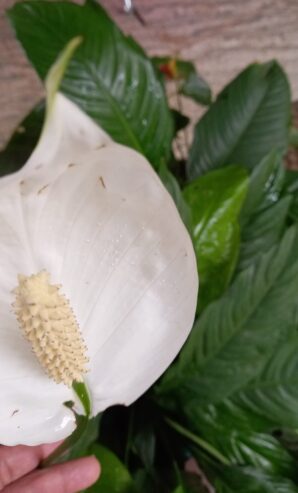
pixel 69 477
pixel 17 461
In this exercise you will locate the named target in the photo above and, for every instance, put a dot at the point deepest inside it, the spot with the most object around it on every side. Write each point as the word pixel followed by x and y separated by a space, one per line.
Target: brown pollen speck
pixel 102 181
pixel 42 189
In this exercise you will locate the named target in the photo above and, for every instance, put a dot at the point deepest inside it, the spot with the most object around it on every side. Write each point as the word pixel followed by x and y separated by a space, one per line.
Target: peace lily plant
pixel 98 279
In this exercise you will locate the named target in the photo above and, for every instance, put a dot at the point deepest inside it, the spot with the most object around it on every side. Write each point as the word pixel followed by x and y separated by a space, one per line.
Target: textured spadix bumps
pixel 95 216
pixel 48 322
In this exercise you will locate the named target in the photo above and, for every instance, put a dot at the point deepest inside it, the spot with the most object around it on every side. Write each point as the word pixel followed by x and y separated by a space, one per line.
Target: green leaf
pixel 293 137
pixel 248 480
pixel 262 232
pixel 237 337
pixel 23 141
pixel 231 431
pixel 86 440
pixel 76 444
pixel 289 439
pixel 264 215
pixel 174 190
pixel 265 186
pixel 198 441
pixel 196 88
pixel 114 478
pixel 179 489
pixel 291 181
pixel 144 446
pixel 82 393
pixel 249 118
pixel 144 481
pixel 190 83
pixel 291 187
pixel 215 201
pixel 109 77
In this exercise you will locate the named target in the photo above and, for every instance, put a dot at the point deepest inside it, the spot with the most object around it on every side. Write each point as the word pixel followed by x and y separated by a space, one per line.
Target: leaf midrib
pixel 112 100
pixel 226 159
pixel 116 108
pixel 244 130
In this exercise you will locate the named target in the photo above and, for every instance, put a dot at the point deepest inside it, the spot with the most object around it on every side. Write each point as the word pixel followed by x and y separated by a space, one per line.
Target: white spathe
pixel 96 217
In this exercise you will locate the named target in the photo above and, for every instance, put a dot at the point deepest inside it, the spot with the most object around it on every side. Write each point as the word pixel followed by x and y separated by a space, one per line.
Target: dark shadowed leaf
pixel 180 120
pixel 291 187
pixel 174 189
pixel 233 433
pixel 23 141
pixel 248 480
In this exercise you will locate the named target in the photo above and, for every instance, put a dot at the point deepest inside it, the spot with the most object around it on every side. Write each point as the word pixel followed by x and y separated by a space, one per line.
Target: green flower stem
pixel 61 453
pixel 81 391
pixel 198 441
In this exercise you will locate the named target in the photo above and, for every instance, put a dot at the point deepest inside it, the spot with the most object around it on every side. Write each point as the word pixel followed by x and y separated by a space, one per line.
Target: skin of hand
pixel 19 471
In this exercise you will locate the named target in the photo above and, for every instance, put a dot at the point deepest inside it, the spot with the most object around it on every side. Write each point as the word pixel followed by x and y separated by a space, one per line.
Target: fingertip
pixel 95 465
pixel 90 469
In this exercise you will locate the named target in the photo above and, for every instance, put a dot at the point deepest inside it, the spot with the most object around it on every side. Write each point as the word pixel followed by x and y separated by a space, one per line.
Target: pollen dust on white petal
pixel 48 323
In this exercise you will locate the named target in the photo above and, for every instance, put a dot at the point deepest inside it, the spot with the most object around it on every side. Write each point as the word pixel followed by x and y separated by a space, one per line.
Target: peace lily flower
pixel 98 276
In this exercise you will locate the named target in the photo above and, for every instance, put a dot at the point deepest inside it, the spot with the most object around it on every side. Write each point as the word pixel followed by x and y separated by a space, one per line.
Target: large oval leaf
pixel 215 201
pixel 115 477
pixel 109 77
pixel 239 350
pixel 248 480
pixel 264 214
pixel 250 117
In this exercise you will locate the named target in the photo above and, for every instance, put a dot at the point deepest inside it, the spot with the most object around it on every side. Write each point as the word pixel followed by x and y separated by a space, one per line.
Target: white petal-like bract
pixel 96 217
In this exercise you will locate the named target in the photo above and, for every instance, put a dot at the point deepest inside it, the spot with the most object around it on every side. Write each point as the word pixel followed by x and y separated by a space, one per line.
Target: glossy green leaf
pixel 263 231
pixel 22 142
pixel 264 215
pixel 215 201
pixel 249 118
pixel 265 188
pixel 114 478
pixel 190 82
pixel 232 432
pixel 239 350
pixel 109 77
pixel 248 480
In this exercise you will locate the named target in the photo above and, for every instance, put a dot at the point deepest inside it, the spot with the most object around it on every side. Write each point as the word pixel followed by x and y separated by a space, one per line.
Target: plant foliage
pixel 229 403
